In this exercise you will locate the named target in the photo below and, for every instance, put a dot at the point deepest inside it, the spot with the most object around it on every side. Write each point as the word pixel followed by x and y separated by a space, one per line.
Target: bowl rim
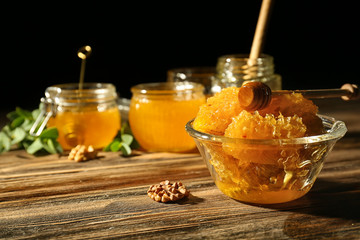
pixel 335 130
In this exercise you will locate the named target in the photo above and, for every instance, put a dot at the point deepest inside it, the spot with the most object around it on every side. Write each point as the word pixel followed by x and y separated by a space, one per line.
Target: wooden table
pixel 52 197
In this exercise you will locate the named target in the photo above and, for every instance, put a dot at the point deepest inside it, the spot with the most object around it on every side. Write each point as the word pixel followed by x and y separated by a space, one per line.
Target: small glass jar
pixel 89 116
pixel 203 75
pixel 234 70
pixel 159 112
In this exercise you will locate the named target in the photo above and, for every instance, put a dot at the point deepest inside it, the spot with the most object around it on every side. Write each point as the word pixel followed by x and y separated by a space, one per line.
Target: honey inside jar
pixel 89 116
pixel 159 112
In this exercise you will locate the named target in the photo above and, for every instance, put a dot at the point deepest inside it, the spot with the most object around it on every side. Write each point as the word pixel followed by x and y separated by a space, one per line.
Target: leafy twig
pixel 16 132
pixel 123 141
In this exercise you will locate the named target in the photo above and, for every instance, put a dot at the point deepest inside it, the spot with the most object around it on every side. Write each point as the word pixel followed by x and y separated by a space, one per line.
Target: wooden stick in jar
pixel 260 30
pixel 83 53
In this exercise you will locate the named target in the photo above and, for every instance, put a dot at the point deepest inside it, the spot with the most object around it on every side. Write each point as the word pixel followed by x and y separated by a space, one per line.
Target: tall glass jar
pixel 89 116
pixel 159 112
pixel 233 70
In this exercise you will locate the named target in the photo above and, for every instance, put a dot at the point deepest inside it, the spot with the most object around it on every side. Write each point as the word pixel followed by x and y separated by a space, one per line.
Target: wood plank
pixel 107 198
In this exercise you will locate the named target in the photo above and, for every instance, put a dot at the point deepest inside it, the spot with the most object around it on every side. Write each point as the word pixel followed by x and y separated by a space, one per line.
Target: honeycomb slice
pixel 214 116
pixel 296 104
pixel 254 126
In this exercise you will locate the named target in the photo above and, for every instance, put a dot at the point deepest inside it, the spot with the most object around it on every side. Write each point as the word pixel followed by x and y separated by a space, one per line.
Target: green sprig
pixel 123 141
pixel 16 132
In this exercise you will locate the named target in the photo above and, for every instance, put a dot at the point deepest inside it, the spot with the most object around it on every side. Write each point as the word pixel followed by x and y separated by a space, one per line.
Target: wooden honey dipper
pixel 257 95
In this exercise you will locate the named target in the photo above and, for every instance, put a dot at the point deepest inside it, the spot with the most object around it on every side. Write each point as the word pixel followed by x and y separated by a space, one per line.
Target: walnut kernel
pixel 82 153
pixel 166 191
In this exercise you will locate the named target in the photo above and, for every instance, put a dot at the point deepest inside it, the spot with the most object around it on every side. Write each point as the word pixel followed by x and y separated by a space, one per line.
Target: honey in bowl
pixel 269 156
pixel 89 116
pixel 159 112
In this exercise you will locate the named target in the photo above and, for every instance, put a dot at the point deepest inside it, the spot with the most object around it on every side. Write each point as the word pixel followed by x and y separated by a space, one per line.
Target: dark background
pixel 315 44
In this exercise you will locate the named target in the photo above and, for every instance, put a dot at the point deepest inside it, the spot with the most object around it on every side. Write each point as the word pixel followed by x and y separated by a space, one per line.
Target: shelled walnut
pixel 82 153
pixel 166 191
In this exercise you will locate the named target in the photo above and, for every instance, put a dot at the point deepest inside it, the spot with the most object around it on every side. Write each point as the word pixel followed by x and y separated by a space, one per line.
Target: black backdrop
pixel 315 43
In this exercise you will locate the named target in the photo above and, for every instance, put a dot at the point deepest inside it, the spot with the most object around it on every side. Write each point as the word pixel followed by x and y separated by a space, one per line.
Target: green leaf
pixel 35 146
pixel 116 145
pixel 5 142
pixel 12 115
pixel 18 135
pixel 127 138
pixel 125 149
pixel 58 147
pixel 24 113
pixel 35 113
pixel 124 141
pixel 49 133
pixel 6 129
pixel 125 129
pixel 27 124
pixel 17 122
pixel 49 146
pixel 29 138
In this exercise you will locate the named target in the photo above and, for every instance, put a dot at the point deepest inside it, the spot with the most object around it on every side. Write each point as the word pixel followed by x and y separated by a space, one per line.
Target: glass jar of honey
pixel 235 69
pixel 203 75
pixel 87 116
pixel 159 112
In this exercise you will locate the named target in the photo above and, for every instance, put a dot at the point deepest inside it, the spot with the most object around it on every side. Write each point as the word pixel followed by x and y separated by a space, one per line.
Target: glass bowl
pixel 267 171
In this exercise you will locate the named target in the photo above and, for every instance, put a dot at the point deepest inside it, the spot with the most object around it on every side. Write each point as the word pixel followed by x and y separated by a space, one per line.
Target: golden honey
pixel 89 116
pixel 86 127
pixel 259 156
pixel 159 112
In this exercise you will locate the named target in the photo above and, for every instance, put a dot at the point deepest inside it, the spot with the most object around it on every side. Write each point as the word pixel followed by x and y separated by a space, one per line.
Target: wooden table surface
pixel 53 197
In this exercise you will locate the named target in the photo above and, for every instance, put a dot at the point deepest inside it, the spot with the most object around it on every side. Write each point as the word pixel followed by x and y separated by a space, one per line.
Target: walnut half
pixel 166 191
pixel 82 153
